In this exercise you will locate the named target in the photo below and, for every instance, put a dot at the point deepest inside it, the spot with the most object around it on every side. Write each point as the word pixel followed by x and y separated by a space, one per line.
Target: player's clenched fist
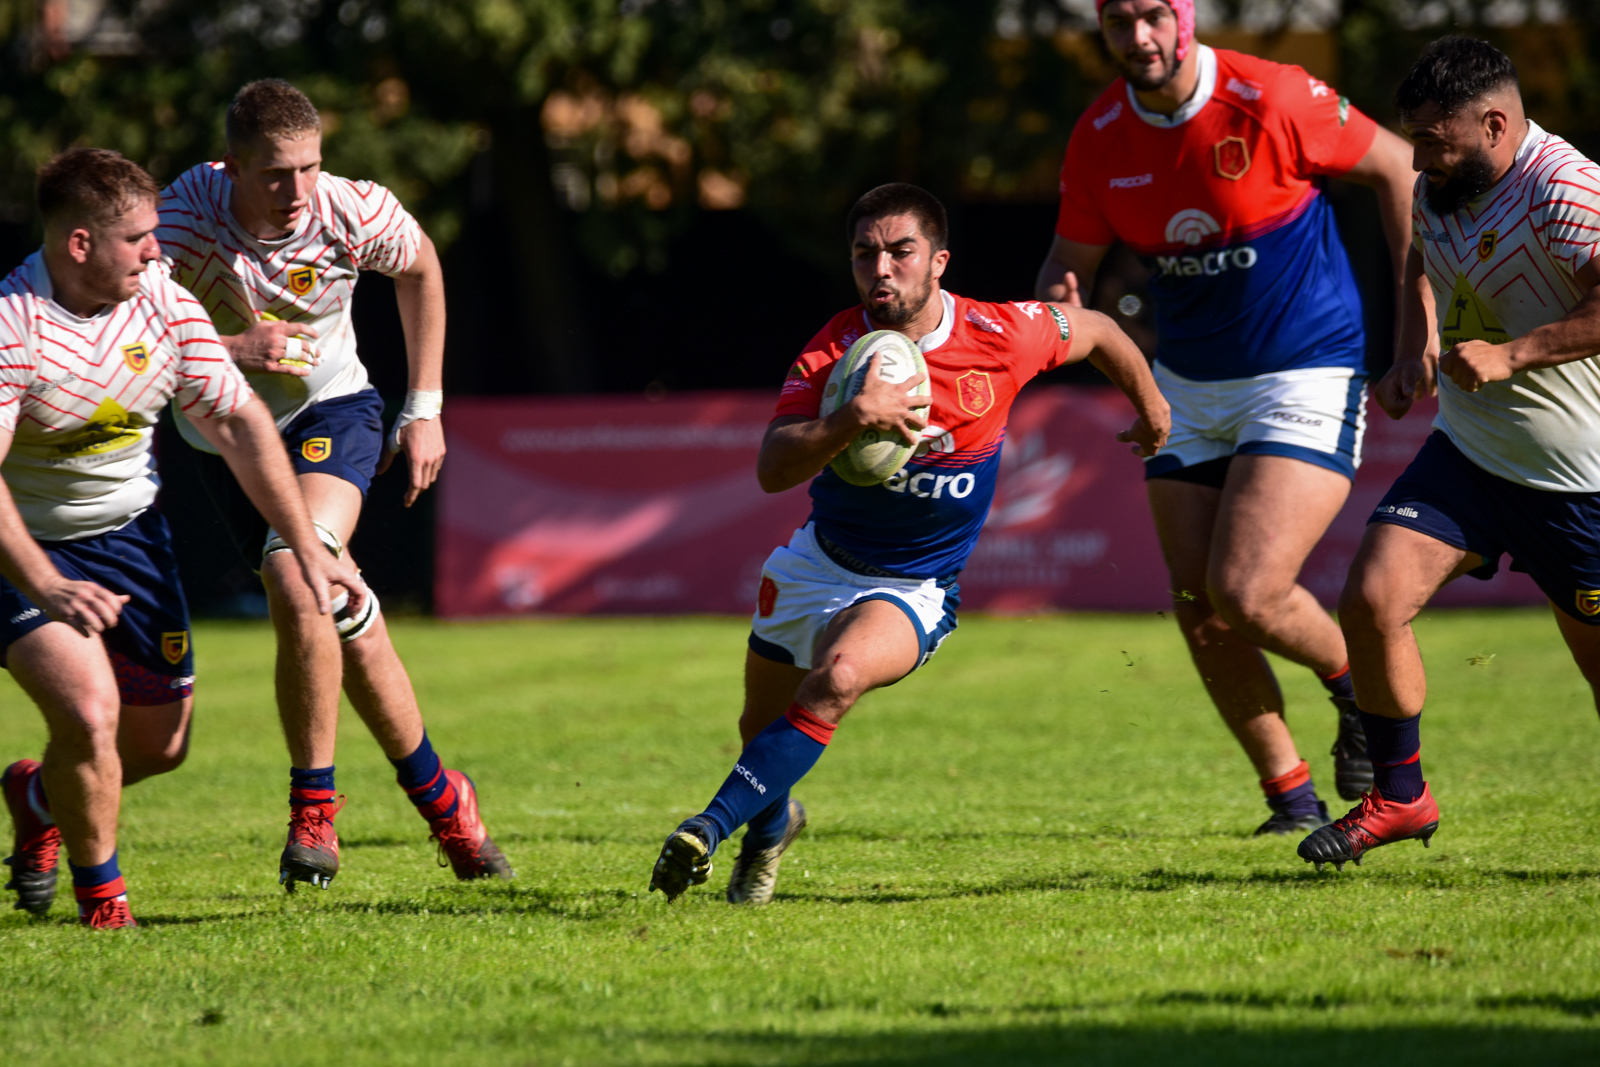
pixel 1149 431
pixel 885 405
pixel 86 607
pixel 274 348
pixel 1407 381
pixel 1474 364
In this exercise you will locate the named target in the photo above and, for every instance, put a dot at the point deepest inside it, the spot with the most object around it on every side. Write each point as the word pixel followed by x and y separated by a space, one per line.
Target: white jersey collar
pixel 939 336
pixel 1191 107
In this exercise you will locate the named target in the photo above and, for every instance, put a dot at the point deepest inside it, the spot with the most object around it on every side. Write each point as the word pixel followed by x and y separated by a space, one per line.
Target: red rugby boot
pixel 312 852
pixel 1373 822
pixel 463 839
pixel 36 845
pixel 109 914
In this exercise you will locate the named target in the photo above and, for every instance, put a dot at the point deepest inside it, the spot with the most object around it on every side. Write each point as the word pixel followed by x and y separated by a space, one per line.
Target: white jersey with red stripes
pixel 81 397
pixel 308 276
pixel 1504 265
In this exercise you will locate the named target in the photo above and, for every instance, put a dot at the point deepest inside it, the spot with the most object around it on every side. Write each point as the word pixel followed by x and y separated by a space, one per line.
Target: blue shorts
pixel 1552 537
pixel 342 437
pixel 150 647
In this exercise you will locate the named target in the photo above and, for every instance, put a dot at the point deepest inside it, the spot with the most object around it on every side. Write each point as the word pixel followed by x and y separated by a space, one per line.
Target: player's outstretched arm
pixel 1099 340
pixel 1067 274
pixel 419 433
pixel 1386 168
pixel 249 442
pixel 796 448
pixel 1574 336
pixel 84 606
pixel 1416 360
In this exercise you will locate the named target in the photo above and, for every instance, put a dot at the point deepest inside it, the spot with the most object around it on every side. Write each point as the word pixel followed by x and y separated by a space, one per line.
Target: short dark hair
pixel 269 110
pixel 1452 72
pixel 91 186
pixel 900 198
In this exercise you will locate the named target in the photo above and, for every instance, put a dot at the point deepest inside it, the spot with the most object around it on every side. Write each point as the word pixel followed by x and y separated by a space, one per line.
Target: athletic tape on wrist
pixel 421 405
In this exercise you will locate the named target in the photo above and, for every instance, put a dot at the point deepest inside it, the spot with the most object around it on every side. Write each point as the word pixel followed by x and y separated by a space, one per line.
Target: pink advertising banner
pixel 606 505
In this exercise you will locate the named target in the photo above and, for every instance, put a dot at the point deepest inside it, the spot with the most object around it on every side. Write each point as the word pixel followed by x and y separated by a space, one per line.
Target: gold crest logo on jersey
pixel 108 429
pixel 1468 318
pixel 1233 158
pixel 137 357
pixel 1486 244
pixel 316 449
pixel 1589 601
pixel 975 392
pixel 174 646
pixel 301 279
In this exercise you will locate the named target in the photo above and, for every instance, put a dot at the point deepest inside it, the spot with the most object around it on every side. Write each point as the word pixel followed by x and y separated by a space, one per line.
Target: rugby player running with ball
pixel 1504 264
pixel 1210 165
pixel 272 247
pixel 95 629
pixel 866 591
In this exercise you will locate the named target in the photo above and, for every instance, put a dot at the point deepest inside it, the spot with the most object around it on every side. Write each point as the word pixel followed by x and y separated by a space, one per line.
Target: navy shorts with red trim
pixel 1552 537
pixel 150 647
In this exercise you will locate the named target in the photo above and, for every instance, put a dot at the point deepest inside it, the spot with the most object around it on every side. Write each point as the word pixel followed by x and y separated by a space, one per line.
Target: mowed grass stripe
pixel 1035 850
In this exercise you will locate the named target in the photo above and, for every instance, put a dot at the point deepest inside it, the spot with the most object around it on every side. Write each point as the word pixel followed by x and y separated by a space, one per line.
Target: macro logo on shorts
pixel 1486 244
pixel 1589 601
pixel 316 449
pixel 174 646
pixel 301 279
pixel 975 392
pixel 767 597
pixel 1232 158
pixel 137 357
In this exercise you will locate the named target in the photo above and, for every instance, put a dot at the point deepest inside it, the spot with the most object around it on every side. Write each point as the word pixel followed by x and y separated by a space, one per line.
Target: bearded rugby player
pixel 1506 263
pixel 273 247
pixel 92 346
pixel 866 590
pixel 1210 165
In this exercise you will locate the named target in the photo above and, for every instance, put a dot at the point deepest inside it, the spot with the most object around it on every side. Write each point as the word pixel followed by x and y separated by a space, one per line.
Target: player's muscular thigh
pixel 1273 512
pixel 866 646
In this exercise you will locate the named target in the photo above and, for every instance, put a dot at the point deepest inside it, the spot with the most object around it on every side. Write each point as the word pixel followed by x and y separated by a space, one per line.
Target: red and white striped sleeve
pixel 380 234
pixel 209 384
pixel 17 367
pixel 184 226
pixel 1566 213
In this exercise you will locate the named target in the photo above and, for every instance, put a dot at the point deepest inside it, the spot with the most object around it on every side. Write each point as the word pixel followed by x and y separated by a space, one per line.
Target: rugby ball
pixel 875 454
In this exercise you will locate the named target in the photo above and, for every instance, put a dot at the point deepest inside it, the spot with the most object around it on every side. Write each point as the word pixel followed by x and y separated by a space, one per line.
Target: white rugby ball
pixel 875 454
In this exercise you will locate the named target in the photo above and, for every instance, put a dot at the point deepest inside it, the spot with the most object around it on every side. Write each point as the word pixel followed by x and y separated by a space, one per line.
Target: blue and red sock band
pixel 307 787
pixel 768 769
pixel 1292 792
pixel 102 881
pixel 1338 683
pixel 1395 748
pixel 422 776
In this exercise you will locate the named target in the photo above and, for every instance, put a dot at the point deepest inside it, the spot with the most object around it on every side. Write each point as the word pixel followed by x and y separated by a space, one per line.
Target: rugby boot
pixel 1352 770
pixel 109 914
pixel 755 872
pixel 1283 822
pixel 1373 822
pixel 36 846
pixel 312 852
pixel 685 859
pixel 463 839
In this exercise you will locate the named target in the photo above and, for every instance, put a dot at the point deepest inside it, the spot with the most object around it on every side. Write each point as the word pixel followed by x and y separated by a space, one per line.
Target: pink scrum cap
pixel 1184 9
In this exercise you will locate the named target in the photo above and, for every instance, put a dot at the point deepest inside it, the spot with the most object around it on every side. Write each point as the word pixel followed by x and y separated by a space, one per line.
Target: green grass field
pixel 1034 851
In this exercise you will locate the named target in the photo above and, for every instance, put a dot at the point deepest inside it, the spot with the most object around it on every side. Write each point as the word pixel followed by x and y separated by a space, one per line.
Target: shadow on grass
pixel 1177 1044
pixel 499 899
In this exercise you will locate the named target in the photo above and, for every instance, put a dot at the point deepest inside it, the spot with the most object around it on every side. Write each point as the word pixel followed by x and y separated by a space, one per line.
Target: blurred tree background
pixel 648 194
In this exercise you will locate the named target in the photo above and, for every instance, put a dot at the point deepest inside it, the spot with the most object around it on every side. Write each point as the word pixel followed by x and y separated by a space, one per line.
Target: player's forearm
pixel 250 444
pixel 1573 337
pixel 795 453
pixel 22 561
pixel 1051 283
pixel 1417 336
pixel 419 292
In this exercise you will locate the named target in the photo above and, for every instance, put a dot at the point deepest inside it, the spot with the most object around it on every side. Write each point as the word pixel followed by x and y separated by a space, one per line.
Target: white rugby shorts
pixel 802 590
pixel 1315 414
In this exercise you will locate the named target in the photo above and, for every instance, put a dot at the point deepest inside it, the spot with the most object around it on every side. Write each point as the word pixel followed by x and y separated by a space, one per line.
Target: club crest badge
pixel 174 646
pixel 316 449
pixel 1232 158
pixel 975 392
pixel 1589 601
pixel 301 279
pixel 767 597
pixel 1486 245
pixel 137 357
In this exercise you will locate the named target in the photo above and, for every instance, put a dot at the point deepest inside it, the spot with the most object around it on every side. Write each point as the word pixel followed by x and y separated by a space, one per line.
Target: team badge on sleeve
pixel 174 646
pixel 137 357
pixel 316 449
pixel 1589 601
pixel 301 279
pixel 975 392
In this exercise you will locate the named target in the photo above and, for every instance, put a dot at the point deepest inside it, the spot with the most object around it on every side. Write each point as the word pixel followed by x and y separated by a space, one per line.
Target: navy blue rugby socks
pixel 1395 747
pixel 1292 793
pixel 758 789
pixel 422 776
pixel 1338 684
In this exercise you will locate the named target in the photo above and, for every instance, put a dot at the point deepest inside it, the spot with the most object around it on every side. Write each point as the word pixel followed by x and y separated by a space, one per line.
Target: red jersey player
pixel 1210 166
pixel 866 590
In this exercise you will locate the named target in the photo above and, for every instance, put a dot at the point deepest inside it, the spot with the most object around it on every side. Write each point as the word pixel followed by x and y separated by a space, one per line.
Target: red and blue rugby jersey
pixel 1224 201
pixel 923 522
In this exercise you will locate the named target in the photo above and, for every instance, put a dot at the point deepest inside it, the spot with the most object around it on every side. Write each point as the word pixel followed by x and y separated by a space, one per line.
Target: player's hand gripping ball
pixel 875 454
